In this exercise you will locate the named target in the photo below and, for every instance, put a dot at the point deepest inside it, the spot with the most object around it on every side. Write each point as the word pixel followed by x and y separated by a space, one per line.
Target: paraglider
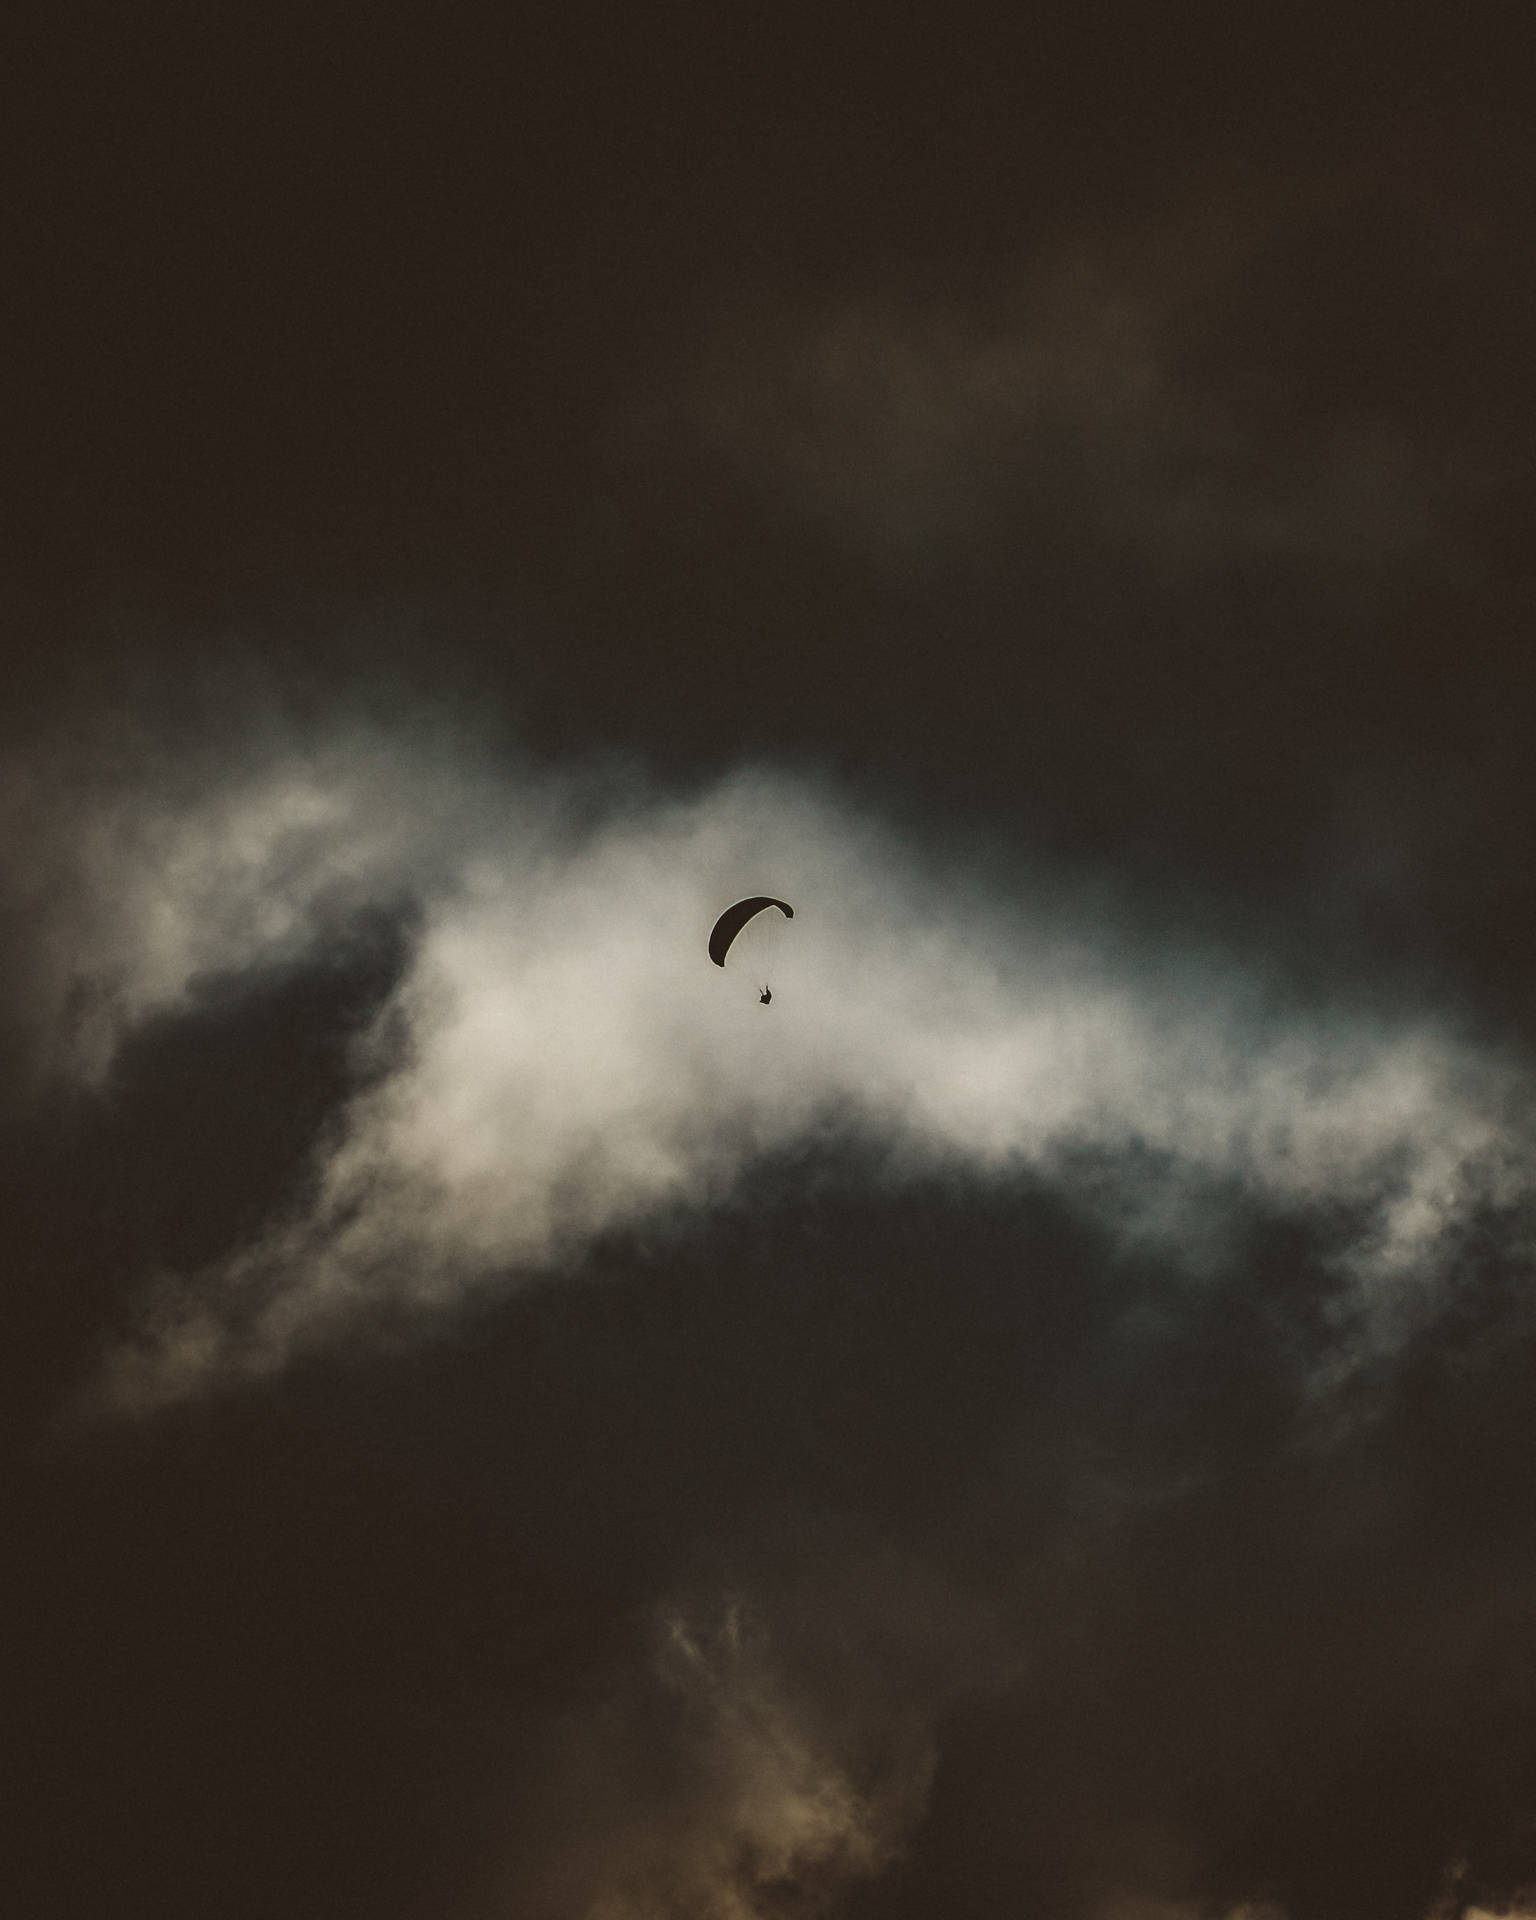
pixel 731 923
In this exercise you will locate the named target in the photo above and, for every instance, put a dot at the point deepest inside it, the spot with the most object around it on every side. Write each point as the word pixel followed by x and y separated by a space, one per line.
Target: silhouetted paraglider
pixel 731 923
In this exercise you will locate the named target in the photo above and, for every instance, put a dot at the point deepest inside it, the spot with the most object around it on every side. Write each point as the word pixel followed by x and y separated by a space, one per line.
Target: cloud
pixel 773 1747
pixel 559 1060
pixel 776 1821
pixel 1079 404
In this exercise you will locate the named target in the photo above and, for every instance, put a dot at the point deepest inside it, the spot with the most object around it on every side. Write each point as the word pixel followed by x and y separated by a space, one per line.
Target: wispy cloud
pixel 559 1058
pixel 777 1819
pixel 1076 403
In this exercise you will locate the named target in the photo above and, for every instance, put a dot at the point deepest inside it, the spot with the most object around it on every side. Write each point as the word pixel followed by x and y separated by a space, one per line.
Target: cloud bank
pixel 558 1060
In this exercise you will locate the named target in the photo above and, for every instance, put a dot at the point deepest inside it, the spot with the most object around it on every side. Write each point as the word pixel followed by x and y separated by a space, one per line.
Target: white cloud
pixel 561 1058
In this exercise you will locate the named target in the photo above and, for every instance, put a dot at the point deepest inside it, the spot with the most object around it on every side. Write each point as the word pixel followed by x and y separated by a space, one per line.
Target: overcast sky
pixel 499 1423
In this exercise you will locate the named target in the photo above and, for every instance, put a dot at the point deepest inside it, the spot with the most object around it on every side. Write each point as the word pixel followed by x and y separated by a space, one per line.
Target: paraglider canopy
pixel 735 918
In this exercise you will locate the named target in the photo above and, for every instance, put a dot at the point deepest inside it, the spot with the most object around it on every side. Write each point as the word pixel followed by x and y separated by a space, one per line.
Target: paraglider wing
pixel 735 918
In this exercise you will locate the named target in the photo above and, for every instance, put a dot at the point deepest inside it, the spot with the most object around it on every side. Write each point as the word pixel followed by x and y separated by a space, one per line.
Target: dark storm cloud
pixel 726 1792
pixel 1037 1422
pixel 1171 540
pixel 1073 405
pixel 1158 1651
pixel 955 1373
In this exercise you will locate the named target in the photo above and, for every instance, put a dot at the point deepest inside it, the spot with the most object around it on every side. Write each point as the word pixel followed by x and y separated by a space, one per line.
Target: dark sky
pixel 499 1426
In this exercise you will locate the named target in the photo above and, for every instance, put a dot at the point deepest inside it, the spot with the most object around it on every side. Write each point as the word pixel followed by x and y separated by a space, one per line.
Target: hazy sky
pixel 500 1425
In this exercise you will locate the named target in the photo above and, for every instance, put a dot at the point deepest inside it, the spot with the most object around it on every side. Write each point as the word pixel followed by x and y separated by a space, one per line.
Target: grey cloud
pixel 559 1060
pixel 930 430
pixel 147 865
pixel 777 1821
pixel 776 1749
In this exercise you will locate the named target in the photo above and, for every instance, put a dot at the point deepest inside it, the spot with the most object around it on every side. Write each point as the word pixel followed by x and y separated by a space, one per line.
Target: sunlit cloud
pixel 777 1814
pixel 560 1059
